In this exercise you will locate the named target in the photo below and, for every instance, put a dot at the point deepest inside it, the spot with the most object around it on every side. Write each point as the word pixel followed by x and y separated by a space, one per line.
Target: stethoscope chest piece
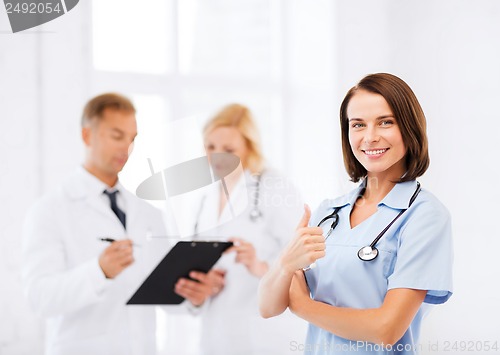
pixel 255 214
pixel 367 253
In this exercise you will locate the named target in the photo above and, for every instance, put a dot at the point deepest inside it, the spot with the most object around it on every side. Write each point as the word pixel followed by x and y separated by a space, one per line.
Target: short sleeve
pixel 425 254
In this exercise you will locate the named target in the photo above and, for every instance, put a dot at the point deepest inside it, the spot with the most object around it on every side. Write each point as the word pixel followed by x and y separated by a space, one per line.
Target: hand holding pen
pixel 116 257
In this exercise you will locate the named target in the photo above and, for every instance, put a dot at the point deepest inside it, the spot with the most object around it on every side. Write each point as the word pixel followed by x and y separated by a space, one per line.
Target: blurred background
pixel 291 62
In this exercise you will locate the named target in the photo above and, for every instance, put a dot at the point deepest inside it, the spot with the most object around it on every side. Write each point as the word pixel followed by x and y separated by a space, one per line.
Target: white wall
pixel 42 89
pixel 447 50
pixel 18 179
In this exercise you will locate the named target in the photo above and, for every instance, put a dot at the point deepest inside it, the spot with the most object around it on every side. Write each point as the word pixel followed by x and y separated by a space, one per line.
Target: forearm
pixel 274 291
pixel 259 269
pixel 386 324
pixel 353 324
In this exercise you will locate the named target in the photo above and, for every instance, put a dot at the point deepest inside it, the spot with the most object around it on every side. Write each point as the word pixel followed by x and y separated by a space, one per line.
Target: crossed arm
pixel 383 325
pixel 285 287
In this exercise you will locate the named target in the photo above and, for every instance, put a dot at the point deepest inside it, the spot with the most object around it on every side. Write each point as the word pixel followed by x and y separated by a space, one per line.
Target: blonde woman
pixel 257 209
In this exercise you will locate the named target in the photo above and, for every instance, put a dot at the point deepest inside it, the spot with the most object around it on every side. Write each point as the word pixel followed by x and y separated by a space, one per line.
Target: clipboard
pixel 184 257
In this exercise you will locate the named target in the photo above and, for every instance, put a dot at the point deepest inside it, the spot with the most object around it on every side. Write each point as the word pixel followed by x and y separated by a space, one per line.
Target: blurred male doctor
pixel 77 281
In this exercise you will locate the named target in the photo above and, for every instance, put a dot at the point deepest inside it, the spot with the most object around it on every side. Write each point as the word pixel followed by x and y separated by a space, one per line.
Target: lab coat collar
pixel 83 184
pixel 347 199
pixel 354 195
pixel 399 196
pixel 342 201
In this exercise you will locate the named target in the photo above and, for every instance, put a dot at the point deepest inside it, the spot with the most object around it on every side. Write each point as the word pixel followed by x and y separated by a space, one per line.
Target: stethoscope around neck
pixel 369 252
pixel 255 213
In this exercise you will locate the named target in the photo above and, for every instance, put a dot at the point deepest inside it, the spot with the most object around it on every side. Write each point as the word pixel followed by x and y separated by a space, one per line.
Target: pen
pixel 111 240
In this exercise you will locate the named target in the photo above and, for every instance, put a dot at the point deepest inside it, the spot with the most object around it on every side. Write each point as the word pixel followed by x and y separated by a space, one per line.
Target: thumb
pixel 304 222
pixel 236 241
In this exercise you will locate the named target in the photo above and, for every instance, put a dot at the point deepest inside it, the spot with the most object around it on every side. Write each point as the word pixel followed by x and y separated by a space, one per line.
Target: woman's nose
pixel 371 135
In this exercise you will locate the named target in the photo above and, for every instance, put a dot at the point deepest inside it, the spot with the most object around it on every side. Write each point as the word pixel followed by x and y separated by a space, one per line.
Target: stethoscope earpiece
pixel 255 214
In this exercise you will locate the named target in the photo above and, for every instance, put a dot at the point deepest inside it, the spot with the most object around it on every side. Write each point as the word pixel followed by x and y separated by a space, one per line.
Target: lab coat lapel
pixel 209 219
pixel 77 187
pixel 96 203
pixel 131 207
pixel 237 201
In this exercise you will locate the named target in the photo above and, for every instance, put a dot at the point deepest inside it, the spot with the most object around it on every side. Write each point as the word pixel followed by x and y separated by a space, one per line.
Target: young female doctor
pixel 363 270
pixel 259 217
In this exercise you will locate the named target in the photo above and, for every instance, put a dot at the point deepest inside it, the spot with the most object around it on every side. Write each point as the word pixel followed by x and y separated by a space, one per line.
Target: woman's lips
pixel 375 153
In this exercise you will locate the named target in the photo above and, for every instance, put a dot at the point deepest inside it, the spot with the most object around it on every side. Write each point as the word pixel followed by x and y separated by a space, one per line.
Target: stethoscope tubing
pixel 381 234
pixel 255 212
pixel 369 252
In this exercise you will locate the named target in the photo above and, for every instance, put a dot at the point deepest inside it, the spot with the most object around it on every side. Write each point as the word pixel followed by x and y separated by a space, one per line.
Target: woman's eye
pixel 386 122
pixel 357 125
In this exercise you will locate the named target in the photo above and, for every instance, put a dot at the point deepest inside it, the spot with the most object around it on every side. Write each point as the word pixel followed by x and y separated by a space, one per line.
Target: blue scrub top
pixel 416 252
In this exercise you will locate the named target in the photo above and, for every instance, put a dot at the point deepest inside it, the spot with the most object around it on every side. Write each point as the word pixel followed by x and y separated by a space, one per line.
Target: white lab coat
pixel 85 312
pixel 231 323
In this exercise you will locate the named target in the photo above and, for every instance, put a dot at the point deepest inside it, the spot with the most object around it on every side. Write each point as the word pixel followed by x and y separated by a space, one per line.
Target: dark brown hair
pixel 410 119
pixel 95 107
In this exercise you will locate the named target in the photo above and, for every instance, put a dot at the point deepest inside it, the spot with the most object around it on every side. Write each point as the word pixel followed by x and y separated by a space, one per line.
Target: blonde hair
pixel 240 117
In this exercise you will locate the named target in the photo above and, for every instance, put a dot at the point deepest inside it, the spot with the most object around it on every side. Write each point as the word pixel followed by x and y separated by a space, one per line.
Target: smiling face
pixel 109 142
pixel 375 137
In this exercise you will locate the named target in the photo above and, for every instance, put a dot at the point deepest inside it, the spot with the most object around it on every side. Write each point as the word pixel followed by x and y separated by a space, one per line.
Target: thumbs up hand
pixel 305 248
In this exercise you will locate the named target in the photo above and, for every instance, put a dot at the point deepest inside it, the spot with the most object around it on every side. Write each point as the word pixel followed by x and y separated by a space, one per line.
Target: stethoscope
pixel 255 213
pixel 369 252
